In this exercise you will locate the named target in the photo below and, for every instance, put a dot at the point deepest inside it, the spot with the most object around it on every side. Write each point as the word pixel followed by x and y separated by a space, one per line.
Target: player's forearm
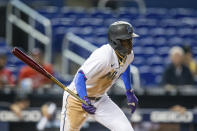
pixel 80 84
pixel 126 77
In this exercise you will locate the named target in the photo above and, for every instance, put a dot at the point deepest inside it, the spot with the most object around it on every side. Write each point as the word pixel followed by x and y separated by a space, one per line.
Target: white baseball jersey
pixel 102 70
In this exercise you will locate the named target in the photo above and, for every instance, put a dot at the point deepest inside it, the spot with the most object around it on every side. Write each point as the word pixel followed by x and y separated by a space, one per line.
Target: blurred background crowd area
pixel 61 34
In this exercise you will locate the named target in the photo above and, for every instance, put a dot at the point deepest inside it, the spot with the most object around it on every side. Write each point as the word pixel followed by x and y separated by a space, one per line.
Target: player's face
pixel 127 44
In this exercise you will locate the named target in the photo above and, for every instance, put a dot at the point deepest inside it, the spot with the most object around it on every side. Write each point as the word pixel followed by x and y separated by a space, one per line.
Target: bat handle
pixel 68 90
pixel 76 96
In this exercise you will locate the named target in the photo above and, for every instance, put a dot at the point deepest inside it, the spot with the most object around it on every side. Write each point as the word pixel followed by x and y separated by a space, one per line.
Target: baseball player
pixel 95 77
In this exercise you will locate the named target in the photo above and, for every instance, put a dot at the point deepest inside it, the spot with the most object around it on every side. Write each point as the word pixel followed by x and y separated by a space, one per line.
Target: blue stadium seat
pixel 169 23
pixel 143 22
pixel 3 50
pixel 2 43
pixel 12 60
pixel 182 12
pixel 15 71
pixel 158 69
pixel 79 50
pixel 59 33
pixel 82 22
pixel 49 12
pixel 108 21
pixel 139 61
pixel 158 72
pixel 175 41
pixel 138 50
pixel 160 41
pixel 147 42
pixel 89 39
pixel 155 61
pixel 100 32
pixel 157 31
pixel 185 31
pixel 157 13
pixel 126 10
pixel 130 14
pixel 73 12
pixel 13 63
pixel 147 77
pixel 170 32
pixel 65 22
pixel 163 51
pixel 83 32
pixel 99 41
pixel 142 31
pixel 101 13
pixel 194 50
pixel 149 51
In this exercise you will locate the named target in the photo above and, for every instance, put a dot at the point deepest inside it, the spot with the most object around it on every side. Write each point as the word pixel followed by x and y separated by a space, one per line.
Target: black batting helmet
pixel 117 31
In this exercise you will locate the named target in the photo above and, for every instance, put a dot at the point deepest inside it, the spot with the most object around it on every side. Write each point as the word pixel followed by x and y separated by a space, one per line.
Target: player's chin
pixel 129 52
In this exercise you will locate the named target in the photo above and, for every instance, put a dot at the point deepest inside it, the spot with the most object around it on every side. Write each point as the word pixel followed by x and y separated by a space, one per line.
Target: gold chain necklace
pixel 121 59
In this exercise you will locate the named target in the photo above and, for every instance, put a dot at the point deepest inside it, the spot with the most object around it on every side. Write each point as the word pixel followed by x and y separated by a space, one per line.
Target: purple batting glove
pixel 132 100
pixel 88 108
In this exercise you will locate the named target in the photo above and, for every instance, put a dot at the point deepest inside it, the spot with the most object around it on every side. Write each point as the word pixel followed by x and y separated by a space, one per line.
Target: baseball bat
pixel 30 62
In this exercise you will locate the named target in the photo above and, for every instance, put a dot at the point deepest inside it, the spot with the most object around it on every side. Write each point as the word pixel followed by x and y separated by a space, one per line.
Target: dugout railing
pixel 14 10
pixel 69 55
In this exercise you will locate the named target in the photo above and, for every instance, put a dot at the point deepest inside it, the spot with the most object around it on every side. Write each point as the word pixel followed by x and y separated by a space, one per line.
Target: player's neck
pixel 121 59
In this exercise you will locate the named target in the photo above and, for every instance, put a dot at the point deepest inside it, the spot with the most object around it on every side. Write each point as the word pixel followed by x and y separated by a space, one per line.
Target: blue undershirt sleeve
pixel 126 77
pixel 80 84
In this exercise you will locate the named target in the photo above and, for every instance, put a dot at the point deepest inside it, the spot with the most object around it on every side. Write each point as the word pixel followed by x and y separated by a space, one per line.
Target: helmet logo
pixel 129 29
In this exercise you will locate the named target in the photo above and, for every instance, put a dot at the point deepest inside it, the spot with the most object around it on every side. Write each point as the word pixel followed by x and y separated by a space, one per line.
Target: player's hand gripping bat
pixel 26 59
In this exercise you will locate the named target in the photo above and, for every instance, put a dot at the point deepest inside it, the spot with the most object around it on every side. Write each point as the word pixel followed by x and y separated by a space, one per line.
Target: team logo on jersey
pixel 110 75
pixel 112 65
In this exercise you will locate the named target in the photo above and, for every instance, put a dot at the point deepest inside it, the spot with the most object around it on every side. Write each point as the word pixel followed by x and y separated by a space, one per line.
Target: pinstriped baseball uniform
pixel 101 70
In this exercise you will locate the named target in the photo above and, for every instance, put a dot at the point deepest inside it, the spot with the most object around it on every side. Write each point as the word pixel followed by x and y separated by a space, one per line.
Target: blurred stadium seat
pixel 159 29
pixel 13 63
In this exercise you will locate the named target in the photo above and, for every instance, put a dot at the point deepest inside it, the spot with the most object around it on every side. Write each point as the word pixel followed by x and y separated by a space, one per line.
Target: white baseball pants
pixel 107 113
